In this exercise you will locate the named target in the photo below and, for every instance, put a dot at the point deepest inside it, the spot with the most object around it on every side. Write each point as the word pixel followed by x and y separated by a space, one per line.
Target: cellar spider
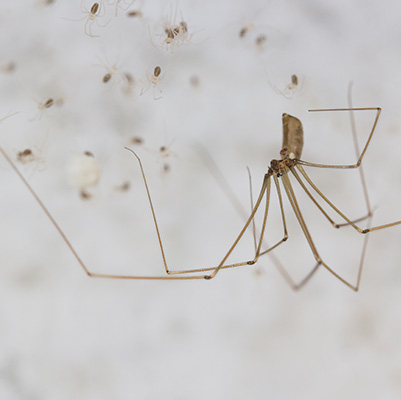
pixel 290 163
pixel 164 154
pixel 260 41
pixel 25 156
pixel 113 73
pixel 96 11
pixel 256 34
pixel 153 80
pixel 175 34
pixel 137 12
pixel 246 29
pixel 42 107
pixel 30 155
pixel 136 140
pixel 292 88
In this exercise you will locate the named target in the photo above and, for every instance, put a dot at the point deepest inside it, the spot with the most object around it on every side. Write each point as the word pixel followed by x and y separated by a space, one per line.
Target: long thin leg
pixel 216 173
pixel 360 169
pixel 286 276
pixel 264 190
pixel 223 184
pixel 298 214
pixel 336 225
pixel 356 147
pixel 67 242
pixel 285 235
pixel 251 199
pixel 265 187
pixel 375 228
pixel 304 281
pixel 361 173
pixel 358 163
pixel 349 222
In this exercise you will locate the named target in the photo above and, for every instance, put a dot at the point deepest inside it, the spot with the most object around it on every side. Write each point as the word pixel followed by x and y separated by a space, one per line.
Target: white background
pixel 244 333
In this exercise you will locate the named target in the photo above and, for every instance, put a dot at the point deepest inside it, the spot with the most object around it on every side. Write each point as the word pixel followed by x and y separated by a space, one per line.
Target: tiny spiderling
pixel 42 108
pixel 153 80
pixel 91 16
pixel 261 41
pixel 175 34
pixel 136 140
pixel 245 30
pixel 25 156
pixel 290 89
pixel 135 13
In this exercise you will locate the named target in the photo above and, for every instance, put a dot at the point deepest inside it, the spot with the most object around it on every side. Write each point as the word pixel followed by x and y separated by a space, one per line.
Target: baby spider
pixel 112 73
pixel 153 80
pixel 42 108
pixel 254 35
pixel 123 4
pixel 292 88
pixel 260 41
pixel 136 140
pixel 135 13
pixel 113 70
pixel 164 154
pixel 34 154
pixel 25 156
pixel 91 16
pixel 175 34
pixel 246 29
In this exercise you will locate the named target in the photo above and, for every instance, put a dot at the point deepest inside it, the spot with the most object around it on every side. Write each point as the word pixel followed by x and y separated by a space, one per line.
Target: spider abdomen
pixel 293 136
